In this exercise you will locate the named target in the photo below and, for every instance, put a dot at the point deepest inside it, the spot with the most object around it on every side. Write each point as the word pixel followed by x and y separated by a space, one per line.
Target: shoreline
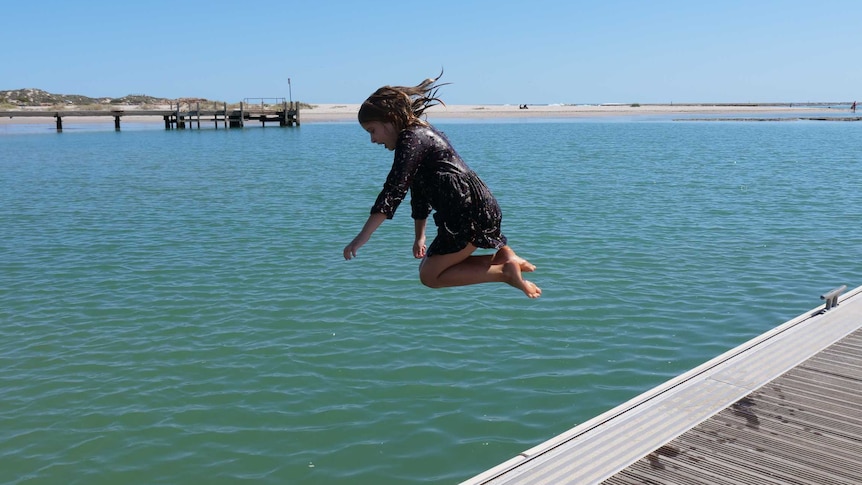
pixel 347 112
pixel 327 113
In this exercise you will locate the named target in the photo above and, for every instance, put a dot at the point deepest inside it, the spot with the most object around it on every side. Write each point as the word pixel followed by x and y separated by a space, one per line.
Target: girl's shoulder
pixel 426 132
pixel 423 138
pixel 419 135
pixel 419 129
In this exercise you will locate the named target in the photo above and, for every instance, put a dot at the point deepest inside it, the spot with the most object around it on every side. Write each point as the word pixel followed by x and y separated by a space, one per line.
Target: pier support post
pixel 294 110
pixel 236 117
pixel 289 115
pixel 180 121
pixel 59 122
pixel 116 122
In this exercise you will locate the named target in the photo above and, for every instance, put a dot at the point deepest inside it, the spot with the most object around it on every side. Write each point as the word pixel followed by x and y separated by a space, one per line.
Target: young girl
pixel 466 213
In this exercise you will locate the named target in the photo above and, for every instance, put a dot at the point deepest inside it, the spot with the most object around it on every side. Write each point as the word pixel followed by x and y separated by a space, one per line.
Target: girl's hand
pixel 419 248
pixel 371 225
pixel 351 249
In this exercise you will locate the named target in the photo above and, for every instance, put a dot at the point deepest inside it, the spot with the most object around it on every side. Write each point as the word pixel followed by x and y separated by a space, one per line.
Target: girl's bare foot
pixel 506 254
pixel 512 271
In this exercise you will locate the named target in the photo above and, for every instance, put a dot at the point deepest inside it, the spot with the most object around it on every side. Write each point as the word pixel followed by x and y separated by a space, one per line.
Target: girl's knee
pixel 428 279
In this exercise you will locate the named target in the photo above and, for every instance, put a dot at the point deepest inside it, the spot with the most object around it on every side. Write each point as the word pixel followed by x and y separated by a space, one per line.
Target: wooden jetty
pixel 781 408
pixel 182 116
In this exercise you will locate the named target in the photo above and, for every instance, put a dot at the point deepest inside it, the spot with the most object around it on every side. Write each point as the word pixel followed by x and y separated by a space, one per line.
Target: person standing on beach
pixel 466 213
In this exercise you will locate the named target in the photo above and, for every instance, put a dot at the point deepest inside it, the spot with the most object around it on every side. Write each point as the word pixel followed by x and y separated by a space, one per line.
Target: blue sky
pixel 494 52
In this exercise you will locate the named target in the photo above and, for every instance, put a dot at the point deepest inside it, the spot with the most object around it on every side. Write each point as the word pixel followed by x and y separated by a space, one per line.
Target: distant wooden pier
pixel 183 116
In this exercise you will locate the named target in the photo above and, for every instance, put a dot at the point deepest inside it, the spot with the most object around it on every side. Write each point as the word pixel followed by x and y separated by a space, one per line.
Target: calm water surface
pixel 174 306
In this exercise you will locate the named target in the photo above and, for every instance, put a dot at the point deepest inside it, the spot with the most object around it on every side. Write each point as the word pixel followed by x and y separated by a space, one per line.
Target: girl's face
pixel 382 133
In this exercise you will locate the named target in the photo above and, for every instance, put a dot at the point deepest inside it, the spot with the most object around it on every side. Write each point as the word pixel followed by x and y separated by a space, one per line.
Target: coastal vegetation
pixel 32 98
pixel 38 97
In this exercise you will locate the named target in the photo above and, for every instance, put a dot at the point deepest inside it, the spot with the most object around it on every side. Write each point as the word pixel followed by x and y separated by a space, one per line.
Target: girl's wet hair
pixel 401 105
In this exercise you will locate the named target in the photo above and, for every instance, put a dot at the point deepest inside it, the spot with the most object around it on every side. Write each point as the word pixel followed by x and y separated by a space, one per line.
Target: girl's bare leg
pixel 461 268
pixel 503 255
pixel 506 253
pixel 512 270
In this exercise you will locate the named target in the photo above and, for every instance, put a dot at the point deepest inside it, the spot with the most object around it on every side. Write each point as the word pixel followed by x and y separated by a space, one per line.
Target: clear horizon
pixel 552 52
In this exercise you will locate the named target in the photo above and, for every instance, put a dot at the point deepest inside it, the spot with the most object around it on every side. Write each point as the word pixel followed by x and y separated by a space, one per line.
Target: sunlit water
pixel 175 308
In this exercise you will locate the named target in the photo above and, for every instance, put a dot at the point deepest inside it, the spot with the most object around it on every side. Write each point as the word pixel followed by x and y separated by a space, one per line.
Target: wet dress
pixel 465 211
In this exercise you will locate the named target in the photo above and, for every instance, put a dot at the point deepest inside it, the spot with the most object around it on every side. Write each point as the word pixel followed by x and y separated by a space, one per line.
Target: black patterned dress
pixel 465 210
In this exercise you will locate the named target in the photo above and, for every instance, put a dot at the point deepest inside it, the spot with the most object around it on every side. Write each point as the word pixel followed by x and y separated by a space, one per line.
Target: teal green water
pixel 174 306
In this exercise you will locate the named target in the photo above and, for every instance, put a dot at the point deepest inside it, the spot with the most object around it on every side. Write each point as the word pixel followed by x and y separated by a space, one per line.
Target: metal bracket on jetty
pixel 831 298
pixel 184 115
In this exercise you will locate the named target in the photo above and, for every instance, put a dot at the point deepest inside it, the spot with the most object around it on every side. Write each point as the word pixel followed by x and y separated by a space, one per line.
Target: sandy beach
pixel 347 112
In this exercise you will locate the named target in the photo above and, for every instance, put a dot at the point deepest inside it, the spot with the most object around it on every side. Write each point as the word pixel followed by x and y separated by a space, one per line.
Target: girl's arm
pixel 419 243
pixel 371 225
